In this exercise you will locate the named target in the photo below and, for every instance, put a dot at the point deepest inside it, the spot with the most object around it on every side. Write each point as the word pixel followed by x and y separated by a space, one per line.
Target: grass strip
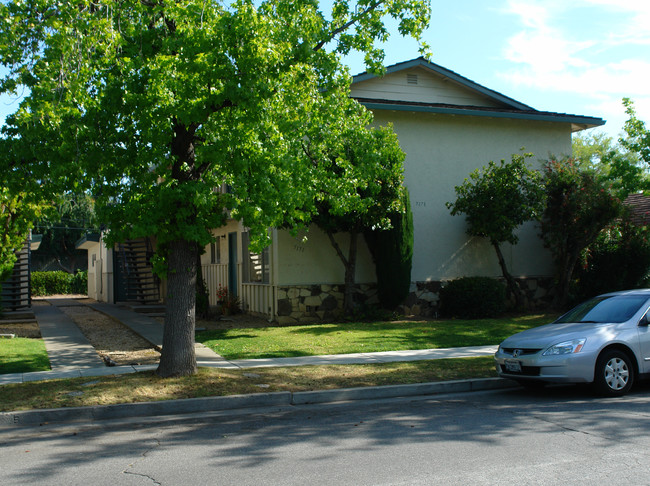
pixel 147 386
pixel 364 337
pixel 23 355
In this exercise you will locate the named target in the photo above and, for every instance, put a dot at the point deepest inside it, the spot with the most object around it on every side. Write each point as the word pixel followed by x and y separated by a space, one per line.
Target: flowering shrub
pixel 222 293
pixel 228 301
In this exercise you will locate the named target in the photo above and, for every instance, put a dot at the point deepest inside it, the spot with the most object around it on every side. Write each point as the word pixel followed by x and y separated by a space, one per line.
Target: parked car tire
pixel 614 374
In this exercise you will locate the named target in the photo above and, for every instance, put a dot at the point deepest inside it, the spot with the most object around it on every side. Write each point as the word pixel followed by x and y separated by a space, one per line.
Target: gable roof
pixel 495 104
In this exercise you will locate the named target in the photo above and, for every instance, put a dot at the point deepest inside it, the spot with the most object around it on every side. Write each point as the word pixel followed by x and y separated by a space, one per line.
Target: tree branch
pixel 344 27
pixel 337 248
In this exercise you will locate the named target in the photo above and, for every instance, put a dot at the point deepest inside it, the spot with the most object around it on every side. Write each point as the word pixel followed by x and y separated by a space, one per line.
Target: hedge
pixel 59 282
pixel 473 298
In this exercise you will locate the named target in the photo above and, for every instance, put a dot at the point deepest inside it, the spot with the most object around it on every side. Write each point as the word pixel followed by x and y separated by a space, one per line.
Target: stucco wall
pixel 222 232
pixel 100 273
pixel 441 151
pixel 310 258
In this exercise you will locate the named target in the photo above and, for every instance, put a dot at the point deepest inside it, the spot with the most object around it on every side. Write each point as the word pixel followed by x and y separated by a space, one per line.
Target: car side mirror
pixel 644 322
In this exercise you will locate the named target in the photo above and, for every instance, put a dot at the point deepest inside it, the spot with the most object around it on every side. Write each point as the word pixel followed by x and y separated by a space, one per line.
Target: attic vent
pixel 411 79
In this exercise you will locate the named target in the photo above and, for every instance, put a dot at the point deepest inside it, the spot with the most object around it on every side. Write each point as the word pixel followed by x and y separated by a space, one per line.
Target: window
pixel 256 265
pixel 215 251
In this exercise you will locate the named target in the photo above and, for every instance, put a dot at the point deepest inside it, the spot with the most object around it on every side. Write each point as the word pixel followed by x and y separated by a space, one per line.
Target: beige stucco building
pixel 448 126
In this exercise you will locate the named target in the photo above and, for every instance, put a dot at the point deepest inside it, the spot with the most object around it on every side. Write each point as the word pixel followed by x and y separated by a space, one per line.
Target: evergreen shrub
pixel 392 252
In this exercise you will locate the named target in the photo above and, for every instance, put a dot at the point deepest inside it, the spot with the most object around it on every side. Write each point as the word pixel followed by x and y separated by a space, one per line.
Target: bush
pixel 50 283
pixel 472 298
pixel 619 259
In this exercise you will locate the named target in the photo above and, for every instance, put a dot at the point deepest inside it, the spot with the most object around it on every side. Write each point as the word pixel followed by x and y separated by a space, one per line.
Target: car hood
pixel 550 334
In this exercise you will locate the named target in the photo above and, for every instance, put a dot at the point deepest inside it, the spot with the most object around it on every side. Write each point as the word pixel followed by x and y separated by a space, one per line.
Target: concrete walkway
pixel 152 330
pixel 66 346
pixel 71 355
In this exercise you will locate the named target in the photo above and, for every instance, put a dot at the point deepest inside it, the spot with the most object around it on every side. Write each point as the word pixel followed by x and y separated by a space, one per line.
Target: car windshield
pixel 612 308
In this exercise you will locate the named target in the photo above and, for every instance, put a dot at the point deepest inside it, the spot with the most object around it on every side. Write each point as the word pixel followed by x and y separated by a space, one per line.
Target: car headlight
pixel 566 347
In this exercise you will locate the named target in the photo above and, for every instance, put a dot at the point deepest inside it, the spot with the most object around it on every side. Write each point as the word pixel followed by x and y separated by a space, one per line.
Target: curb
pixel 258 400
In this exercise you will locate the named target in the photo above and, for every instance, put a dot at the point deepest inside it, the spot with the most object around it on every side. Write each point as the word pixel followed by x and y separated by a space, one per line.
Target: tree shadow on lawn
pixel 24 365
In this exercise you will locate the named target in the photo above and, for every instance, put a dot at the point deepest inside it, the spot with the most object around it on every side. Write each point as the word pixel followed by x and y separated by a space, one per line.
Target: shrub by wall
pixel 59 282
pixel 472 298
pixel 619 259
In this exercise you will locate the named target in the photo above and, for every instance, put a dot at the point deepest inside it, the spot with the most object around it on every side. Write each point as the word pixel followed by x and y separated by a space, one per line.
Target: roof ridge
pixel 448 73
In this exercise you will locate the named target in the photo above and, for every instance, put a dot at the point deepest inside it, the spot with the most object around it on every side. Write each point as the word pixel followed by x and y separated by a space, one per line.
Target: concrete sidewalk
pixel 336 359
pixel 67 348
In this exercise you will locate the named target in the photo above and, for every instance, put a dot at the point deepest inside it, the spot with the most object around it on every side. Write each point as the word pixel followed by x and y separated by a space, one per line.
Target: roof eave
pixel 87 241
pixel 578 123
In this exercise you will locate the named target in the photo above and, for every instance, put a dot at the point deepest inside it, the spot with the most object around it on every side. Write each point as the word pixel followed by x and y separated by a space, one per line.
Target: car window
pixel 613 308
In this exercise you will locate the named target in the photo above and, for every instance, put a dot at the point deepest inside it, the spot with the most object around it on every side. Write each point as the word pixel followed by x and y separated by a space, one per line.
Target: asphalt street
pixel 559 435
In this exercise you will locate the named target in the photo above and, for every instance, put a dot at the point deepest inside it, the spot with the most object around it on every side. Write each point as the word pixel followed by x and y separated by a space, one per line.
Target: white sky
pixel 568 56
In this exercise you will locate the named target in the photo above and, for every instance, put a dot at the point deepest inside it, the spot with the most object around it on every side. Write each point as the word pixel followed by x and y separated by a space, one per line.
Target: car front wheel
pixel 614 373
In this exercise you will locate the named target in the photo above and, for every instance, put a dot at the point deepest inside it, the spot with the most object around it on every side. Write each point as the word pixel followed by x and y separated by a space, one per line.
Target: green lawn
pixel 364 337
pixel 22 355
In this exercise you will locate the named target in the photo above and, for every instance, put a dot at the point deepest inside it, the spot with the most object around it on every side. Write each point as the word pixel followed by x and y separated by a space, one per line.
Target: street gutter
pixel 99 413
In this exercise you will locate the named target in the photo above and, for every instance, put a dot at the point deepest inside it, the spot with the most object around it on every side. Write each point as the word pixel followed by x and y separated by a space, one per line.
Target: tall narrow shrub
pixel 392 251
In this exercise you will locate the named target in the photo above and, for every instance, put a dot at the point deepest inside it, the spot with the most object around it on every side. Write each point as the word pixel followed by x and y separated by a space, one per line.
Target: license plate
pixel 513 366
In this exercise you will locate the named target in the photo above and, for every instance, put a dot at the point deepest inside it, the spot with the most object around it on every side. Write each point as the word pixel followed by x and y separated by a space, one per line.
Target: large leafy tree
pixel 637 139
pixel 154 104
pixel 611 162
pixel 21 203
pixel 17 215
pixel 579 205
pixel 496 200
pixel 372 167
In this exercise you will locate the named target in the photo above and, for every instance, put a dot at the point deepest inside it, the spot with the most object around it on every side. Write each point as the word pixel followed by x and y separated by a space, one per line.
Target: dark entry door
pixel 232 263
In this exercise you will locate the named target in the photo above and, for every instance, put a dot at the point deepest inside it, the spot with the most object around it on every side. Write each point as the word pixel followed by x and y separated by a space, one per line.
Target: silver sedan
pixel 604 341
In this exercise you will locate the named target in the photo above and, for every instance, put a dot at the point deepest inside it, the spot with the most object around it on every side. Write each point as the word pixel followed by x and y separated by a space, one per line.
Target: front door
pixel 119 277
pixel 232 263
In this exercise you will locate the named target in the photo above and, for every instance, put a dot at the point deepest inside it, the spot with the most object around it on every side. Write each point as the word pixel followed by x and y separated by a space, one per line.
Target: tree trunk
pixel 510 281
pixel 178 357
pixel 350 273
pixel 350 264
pixel 564 281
